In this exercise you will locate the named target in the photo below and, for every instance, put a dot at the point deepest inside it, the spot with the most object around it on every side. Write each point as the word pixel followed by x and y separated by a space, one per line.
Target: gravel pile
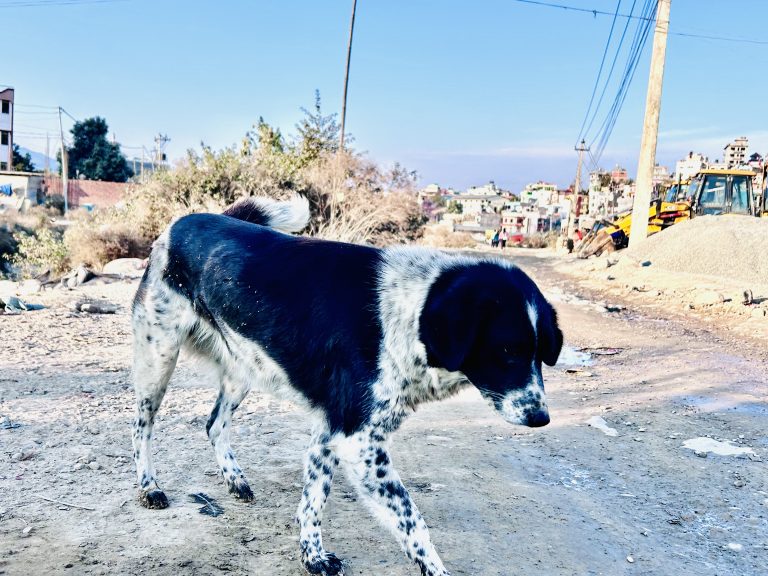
pixel 732 247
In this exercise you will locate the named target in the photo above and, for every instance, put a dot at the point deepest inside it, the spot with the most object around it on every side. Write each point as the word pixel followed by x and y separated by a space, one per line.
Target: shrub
pixel 94 244
pixel 540 240
pixel 41 251
pixel 441 236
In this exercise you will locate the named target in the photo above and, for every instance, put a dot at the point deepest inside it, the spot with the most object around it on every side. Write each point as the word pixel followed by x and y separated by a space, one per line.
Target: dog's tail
pixel 288 216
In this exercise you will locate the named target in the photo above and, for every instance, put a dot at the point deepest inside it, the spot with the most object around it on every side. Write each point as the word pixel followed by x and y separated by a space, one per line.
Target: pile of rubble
pixel 731 247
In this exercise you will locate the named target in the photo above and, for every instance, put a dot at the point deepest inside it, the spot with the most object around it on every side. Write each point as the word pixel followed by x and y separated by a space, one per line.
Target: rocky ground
pixel 568 499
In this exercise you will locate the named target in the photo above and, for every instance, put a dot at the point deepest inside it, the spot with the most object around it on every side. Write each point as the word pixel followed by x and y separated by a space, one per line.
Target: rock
pixel 630 559
pixel 700 453
pixel 94 306
pixel 734 546
pixel 94 466
pixel 739 483
pixel 87 458
pixel 26 531
pixel 78 466
pixel 708 298
pixel 76 277
pixel 128 267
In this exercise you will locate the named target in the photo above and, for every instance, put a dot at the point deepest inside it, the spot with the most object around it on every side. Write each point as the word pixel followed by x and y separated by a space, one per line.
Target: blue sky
pixel 463 92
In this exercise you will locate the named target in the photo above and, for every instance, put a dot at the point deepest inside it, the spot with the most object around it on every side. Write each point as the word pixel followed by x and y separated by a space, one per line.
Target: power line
pixel 595 12
pixel 68 114
pixel 592 11
pixel 719 38
pixel 20 105
pixel 42 3
pixel 638 43
pixel 610 72
pixel 600 71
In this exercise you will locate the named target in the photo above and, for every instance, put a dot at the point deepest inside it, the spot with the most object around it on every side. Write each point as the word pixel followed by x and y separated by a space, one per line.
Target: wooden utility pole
pixel 581 148
pixel 64 167
pixel 346 75
pixel 647 161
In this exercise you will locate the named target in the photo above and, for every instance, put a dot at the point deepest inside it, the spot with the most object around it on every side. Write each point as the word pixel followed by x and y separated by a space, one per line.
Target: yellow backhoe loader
pixel 711 191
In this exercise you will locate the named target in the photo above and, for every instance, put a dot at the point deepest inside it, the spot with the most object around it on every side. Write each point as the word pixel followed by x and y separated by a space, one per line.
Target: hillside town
pixel 541 207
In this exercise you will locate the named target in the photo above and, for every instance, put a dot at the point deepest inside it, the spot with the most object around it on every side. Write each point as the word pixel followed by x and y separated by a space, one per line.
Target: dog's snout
pixel 537 419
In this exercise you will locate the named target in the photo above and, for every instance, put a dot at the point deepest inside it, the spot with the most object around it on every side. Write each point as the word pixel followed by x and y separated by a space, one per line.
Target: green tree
pixel 317 134
pixel 93 156
pixel 455 207
pixel 22 162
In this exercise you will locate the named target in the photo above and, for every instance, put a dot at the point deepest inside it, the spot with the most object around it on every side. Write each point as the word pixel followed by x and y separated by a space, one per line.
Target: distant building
pixel 489 189
pixel 6 129
pixel 661 175
pixel 690 165
pixel 475 204
pixel 619 175
pixel 21 190
pixel 735 152
pixel 539 193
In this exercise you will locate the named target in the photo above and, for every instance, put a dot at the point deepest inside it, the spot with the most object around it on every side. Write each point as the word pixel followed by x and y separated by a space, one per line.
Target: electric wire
pixel 610 72
pixel 600 70
pixel 639 41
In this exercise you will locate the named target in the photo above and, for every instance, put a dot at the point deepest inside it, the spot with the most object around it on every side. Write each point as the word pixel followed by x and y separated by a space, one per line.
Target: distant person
pixel 495 239
pixel 503 238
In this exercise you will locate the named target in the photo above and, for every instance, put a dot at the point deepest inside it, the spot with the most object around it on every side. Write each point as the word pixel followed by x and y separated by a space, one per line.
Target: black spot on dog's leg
pixel 214 415
pixel 329 565
pixel 239 487
pixel 153 499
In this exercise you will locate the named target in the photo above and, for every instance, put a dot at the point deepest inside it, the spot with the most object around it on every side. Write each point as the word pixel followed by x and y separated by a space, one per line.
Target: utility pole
pixel 647 161
pixel 346 75
pixel 160 141
pixel 64 167
pixel 581 148
pixel 47 155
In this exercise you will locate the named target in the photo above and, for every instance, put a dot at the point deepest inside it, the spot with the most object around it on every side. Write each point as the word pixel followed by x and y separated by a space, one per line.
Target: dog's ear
pixel 550 337
pixel 449 321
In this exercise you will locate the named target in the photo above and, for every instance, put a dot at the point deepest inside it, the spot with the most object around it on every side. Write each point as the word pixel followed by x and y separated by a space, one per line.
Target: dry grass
pixel 440 236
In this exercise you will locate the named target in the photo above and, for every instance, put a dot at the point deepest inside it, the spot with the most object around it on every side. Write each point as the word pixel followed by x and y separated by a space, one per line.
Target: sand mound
pixel 732 247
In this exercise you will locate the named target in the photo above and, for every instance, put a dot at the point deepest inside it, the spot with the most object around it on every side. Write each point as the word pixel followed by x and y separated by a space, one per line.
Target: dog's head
pixel 490 322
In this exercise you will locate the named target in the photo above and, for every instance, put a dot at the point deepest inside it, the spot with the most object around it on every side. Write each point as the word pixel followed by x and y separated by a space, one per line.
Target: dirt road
pixel 567 499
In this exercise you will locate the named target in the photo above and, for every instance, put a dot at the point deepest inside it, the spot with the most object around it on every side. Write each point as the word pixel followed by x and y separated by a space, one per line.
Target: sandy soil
pixel 500 500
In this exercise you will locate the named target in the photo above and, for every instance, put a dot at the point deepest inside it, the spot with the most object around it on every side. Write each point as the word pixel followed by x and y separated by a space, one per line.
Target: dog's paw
pixel 241 490
pixel 326 565
pixel 153 499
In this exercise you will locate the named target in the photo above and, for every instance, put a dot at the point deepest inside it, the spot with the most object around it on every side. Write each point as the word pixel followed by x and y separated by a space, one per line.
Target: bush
pixel 441 236
pixel 351 199
pixel 38 252
pixel 94 244
pixel 540 240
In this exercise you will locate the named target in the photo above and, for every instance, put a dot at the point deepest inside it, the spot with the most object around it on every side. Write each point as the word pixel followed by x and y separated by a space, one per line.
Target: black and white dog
pixel 358 335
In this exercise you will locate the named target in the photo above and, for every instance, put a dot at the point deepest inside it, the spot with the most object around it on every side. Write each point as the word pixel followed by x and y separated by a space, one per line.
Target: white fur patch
pixel 405 278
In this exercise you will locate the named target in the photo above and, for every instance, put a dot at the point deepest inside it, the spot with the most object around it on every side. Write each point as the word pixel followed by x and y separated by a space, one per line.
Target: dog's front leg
pixel 318 475
pixel 369 467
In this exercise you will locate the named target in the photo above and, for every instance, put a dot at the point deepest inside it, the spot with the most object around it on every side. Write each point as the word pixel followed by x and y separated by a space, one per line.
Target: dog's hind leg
pixel 318 474
pixel 157 340
pixel 219 425
pixel 369 468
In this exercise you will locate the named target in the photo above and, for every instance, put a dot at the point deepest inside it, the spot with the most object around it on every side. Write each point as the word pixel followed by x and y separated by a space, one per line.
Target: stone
pixel 708 298
pixel 128 267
